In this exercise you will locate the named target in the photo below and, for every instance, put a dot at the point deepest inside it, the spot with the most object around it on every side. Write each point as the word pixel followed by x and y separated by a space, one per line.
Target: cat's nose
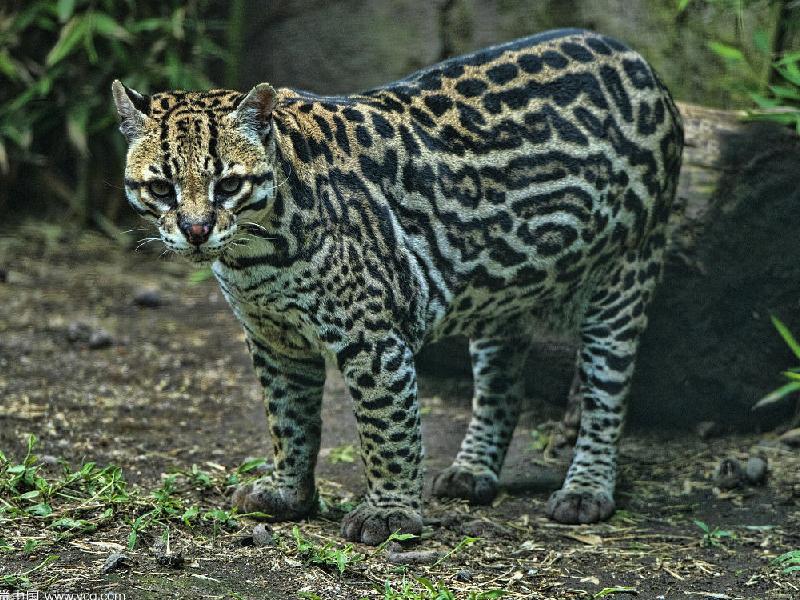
pixel 196 232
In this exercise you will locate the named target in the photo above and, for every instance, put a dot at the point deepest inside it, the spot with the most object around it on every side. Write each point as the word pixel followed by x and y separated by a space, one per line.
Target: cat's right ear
pixel 254 112
pixel 132 108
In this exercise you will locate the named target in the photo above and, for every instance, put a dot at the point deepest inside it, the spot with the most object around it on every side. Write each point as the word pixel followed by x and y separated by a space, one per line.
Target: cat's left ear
pixel 255 110
pixel 132 108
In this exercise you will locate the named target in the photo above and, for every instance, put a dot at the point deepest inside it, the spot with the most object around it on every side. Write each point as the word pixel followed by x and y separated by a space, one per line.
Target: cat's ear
pixel 254 112
pixel 132 108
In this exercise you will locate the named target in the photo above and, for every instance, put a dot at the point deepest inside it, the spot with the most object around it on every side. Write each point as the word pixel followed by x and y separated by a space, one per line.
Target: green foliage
pixel 775 93
pixel 20 580
pixel 69 503
pixel 464 543
pixel 57 61
pixel 326 556
pixel 345 453
pixel 790 561
pixel 422 588
pixel 713 537
pixel 792 375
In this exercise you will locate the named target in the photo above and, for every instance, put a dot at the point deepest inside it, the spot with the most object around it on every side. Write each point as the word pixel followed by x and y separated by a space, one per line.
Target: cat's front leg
pixel 382 381
pixel 293 398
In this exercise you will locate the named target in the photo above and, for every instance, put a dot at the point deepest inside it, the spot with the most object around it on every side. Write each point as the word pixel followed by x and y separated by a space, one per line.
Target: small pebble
pixel 78 331
pixel 114 561
pixel 756 470
pixel 148 298
pixel 262 535
pixel 729 474
pixel 464 575
pixel 174 560
pixel 100 339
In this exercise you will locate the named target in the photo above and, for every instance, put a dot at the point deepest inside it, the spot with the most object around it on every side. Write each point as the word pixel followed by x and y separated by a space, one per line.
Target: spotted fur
pixel 522 188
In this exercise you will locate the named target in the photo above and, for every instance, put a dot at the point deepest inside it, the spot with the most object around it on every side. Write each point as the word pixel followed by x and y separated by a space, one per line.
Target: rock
pixel 729 474
pixel 115 560
pixel 100 339
pixel 78 332
pixel 262 535
pixel 464 575
pixel 173 560
pixel 755 470
pixel 791 438
pixel 706 429
pixel 148 298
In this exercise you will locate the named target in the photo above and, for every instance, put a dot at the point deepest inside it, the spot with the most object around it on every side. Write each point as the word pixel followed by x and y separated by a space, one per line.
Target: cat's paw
pixel 460 482
pixel 585 506
pixel 278 503
pixel 372 525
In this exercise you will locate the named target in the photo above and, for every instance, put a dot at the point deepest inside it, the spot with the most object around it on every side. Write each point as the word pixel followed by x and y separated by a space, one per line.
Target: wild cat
pixel 523 186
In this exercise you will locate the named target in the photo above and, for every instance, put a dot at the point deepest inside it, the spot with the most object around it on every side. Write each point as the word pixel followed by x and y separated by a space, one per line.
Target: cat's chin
pixel 200 256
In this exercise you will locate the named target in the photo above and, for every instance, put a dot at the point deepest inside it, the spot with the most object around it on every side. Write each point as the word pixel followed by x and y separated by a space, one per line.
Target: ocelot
pixel 523 188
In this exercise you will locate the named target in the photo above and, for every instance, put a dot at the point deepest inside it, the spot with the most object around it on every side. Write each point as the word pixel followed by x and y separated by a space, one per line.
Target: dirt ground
pixel 171 386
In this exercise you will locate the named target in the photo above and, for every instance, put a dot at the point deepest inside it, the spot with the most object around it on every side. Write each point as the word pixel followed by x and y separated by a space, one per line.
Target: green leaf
pixel 761 41
pixel 786 335
pixel 725 51
pixel 64 9
pixel 29 495
pixel 40 510
pixel 72 34
pixel 199 276
pixel 189 514
pixel 108 27
pixel 778 395
pixel 682 5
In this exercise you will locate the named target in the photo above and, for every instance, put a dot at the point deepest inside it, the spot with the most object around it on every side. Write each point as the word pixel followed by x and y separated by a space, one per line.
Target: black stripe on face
pixel 133 184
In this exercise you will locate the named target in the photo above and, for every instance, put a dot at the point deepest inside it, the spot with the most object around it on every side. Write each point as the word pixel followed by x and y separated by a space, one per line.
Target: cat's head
pixel 199 164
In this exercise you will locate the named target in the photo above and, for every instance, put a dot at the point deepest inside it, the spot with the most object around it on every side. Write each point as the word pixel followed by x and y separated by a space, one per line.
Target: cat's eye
pixel 160 188
pixel 229 185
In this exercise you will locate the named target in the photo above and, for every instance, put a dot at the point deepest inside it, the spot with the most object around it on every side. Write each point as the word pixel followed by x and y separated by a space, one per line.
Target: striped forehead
pixel 189 124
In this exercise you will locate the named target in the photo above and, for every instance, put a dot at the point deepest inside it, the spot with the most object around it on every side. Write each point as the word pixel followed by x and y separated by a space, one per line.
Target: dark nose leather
pixel 196 232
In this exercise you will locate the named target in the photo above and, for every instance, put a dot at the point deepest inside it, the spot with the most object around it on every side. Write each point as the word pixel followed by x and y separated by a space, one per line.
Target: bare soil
pixel 175 389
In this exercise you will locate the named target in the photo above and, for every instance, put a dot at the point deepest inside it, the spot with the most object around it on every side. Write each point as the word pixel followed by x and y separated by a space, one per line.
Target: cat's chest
pixel 269 307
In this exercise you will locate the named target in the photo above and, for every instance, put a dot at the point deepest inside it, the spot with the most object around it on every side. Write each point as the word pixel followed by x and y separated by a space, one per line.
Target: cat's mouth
pixel 199 255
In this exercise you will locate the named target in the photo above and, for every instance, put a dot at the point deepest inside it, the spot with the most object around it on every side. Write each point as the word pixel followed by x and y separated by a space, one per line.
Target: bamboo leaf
pixel 725 51
pixel 64 9
pixel 71 35
pixel 786 335
pixel 777 395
